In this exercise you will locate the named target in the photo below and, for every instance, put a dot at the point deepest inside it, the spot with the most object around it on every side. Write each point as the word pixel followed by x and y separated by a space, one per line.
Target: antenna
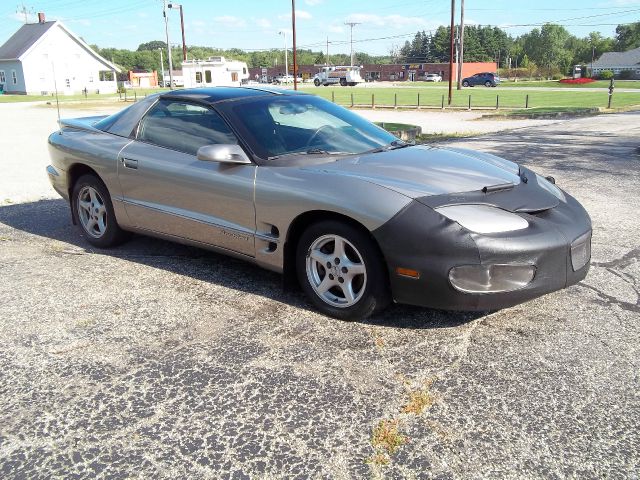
pixel 55 86
pixel 23 10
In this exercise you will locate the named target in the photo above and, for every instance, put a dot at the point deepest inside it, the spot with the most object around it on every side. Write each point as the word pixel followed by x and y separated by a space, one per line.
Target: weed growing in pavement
pixel 386 439
pixel 420 400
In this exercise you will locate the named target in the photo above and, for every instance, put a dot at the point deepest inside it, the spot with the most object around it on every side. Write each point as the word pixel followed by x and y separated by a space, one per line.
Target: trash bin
pixel 1 88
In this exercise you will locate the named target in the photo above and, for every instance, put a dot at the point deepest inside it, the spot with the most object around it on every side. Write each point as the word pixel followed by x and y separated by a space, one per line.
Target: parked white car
pixel 283 79
pixel 432 77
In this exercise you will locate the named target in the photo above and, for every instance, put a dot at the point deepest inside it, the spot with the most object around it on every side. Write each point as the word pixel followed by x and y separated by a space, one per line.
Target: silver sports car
pixel 301 186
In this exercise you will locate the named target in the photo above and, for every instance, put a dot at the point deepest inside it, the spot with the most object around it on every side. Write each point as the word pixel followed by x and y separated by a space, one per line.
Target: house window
pixel 67 82
pixel 2 77
pixel 234 76
pixel 207 76
pixel 198 77
pixel 90 78
pixel 14 77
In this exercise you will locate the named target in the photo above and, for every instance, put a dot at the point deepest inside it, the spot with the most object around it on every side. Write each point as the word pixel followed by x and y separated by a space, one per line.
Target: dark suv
pixel 486 79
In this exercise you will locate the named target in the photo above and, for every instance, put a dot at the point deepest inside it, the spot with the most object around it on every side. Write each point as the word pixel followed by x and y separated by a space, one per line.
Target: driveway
pixel 158 360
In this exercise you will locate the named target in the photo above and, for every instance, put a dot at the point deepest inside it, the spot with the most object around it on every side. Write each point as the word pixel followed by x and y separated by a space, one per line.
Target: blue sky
pixel 254 24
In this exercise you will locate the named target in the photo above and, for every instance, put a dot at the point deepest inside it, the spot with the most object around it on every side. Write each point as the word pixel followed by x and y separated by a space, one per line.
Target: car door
pixel 166 189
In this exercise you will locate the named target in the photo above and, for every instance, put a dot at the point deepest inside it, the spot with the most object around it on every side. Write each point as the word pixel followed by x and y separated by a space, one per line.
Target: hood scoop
pixel 525 197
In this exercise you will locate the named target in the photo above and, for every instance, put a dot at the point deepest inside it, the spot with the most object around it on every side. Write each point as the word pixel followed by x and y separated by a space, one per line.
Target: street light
pixel 286 58
pixel 184 45
pixel 166 31
pixel 161 65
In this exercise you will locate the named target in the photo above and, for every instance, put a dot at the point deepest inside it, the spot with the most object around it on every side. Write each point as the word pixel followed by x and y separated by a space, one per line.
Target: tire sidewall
pixel 465 84
pixel 376 295
pixel 113 234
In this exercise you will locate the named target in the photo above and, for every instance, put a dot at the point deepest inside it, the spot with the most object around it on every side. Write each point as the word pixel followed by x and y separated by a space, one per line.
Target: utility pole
pixel 326 60
pixel 184 44
pixel 166 30
pixel 162 66
pixel 295 58
pixel 593 54
pixel 451 50
pixel 286 59
pixel 461 43
pixel 352 24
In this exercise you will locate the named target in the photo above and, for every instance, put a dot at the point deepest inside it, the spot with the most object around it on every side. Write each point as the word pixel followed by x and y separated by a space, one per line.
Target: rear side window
pixel 184 127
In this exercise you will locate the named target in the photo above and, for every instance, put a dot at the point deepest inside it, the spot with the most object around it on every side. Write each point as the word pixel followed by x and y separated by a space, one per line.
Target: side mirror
pixel 223 153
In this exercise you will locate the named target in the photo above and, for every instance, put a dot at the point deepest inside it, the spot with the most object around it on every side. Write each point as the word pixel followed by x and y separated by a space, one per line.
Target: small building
pixel 42 57
pixel 214 72
pixel 618 62
pixel 143 79
pixel 397 72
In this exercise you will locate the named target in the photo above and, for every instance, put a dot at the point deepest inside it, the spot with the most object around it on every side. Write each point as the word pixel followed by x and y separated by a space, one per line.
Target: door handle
pixel 129 163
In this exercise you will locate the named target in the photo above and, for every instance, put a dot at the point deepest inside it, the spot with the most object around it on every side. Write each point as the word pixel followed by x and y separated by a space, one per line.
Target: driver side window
pixel 184 127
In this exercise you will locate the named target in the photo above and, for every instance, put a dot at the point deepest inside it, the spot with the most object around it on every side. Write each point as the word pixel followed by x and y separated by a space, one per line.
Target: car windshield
pixel 276 126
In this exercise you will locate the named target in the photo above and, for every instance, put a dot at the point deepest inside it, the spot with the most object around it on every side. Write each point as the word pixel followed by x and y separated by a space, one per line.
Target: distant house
pixel 43 56
pixel 619 62
pixel 214 72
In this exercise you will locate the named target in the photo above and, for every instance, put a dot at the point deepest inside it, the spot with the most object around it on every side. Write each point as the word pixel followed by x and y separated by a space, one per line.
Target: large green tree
pixel 627 36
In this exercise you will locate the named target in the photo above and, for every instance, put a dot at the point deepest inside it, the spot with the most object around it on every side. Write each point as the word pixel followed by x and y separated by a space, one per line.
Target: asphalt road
pixel 157 360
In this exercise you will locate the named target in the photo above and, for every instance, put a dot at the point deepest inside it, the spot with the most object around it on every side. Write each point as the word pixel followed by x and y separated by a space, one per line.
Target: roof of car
pixel 218 94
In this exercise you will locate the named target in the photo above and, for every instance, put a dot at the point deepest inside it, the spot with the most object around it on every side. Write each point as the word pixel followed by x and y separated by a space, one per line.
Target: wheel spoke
pixel 318 256
pixel 338 249
pixel 347 289
pixel 354 268
pixel 84 205
pixel 102 226
pixel 325 284
pixel 90 224
pixel 94 197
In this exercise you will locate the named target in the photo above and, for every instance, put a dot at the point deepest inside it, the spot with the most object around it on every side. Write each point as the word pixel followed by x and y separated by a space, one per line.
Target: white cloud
pixel 198 23
pixel 230 21
pixel 390 21
pixel 263 22
pixel 300 15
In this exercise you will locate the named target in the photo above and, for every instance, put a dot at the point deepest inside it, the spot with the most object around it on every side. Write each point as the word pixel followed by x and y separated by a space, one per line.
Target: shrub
pixel 557 76
pixel 606 75
pixel 574 81
pixel 626 74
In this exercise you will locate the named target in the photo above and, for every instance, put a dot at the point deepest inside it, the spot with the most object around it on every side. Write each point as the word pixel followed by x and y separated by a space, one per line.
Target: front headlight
pixel 550 187
pixel 483 218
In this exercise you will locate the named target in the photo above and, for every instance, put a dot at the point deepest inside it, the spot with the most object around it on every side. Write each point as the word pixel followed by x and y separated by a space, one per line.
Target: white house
pixel 43 56
pixel 214 72
pixel 619 62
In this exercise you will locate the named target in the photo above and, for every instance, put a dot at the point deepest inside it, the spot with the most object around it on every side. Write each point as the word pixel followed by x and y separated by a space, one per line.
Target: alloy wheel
pixel 92 212
pixel 336 271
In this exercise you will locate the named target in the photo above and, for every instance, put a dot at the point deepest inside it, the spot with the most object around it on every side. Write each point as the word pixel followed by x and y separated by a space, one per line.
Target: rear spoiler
pixel 83 123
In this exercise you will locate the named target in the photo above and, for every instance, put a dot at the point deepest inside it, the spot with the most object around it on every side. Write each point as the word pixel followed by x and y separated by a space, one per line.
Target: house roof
pixel 23 40
pixel 618 59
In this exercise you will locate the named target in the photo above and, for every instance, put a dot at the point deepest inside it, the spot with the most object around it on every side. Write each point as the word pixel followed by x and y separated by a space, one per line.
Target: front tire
pixel 465 84
pixel 316 82
pixel 342 271
pixel 93 211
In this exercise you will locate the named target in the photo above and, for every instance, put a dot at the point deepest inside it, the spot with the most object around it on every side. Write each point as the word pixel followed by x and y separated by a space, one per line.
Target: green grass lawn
pixel 557 84
pixel 480 97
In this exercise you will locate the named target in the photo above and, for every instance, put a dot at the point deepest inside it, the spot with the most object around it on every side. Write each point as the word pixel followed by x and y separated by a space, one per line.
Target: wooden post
pixel 442 102
pixel 135 96
pixel 373 101
pixel 497 102
pixel 418 99
pixel 333 96
pixel 526 105
pixel 352 100
pixel 395 100
pixel 469 102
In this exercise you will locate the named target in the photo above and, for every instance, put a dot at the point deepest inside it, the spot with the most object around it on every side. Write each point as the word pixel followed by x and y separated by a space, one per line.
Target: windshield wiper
pixel 396 144
pixel 311 151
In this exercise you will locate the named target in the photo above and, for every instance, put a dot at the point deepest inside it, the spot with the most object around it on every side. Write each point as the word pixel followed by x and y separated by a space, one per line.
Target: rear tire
pixel 342 271
pixel 343 82
pixel 487 83
pixel 93 211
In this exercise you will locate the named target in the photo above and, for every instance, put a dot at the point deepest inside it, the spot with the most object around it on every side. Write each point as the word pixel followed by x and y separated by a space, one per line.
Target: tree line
pixel 550 48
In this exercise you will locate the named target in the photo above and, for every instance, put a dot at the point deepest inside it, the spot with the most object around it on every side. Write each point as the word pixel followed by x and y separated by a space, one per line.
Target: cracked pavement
pixel 160 360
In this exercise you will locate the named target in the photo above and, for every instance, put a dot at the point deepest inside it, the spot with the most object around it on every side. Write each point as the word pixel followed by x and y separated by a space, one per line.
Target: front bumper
pixel 422 240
